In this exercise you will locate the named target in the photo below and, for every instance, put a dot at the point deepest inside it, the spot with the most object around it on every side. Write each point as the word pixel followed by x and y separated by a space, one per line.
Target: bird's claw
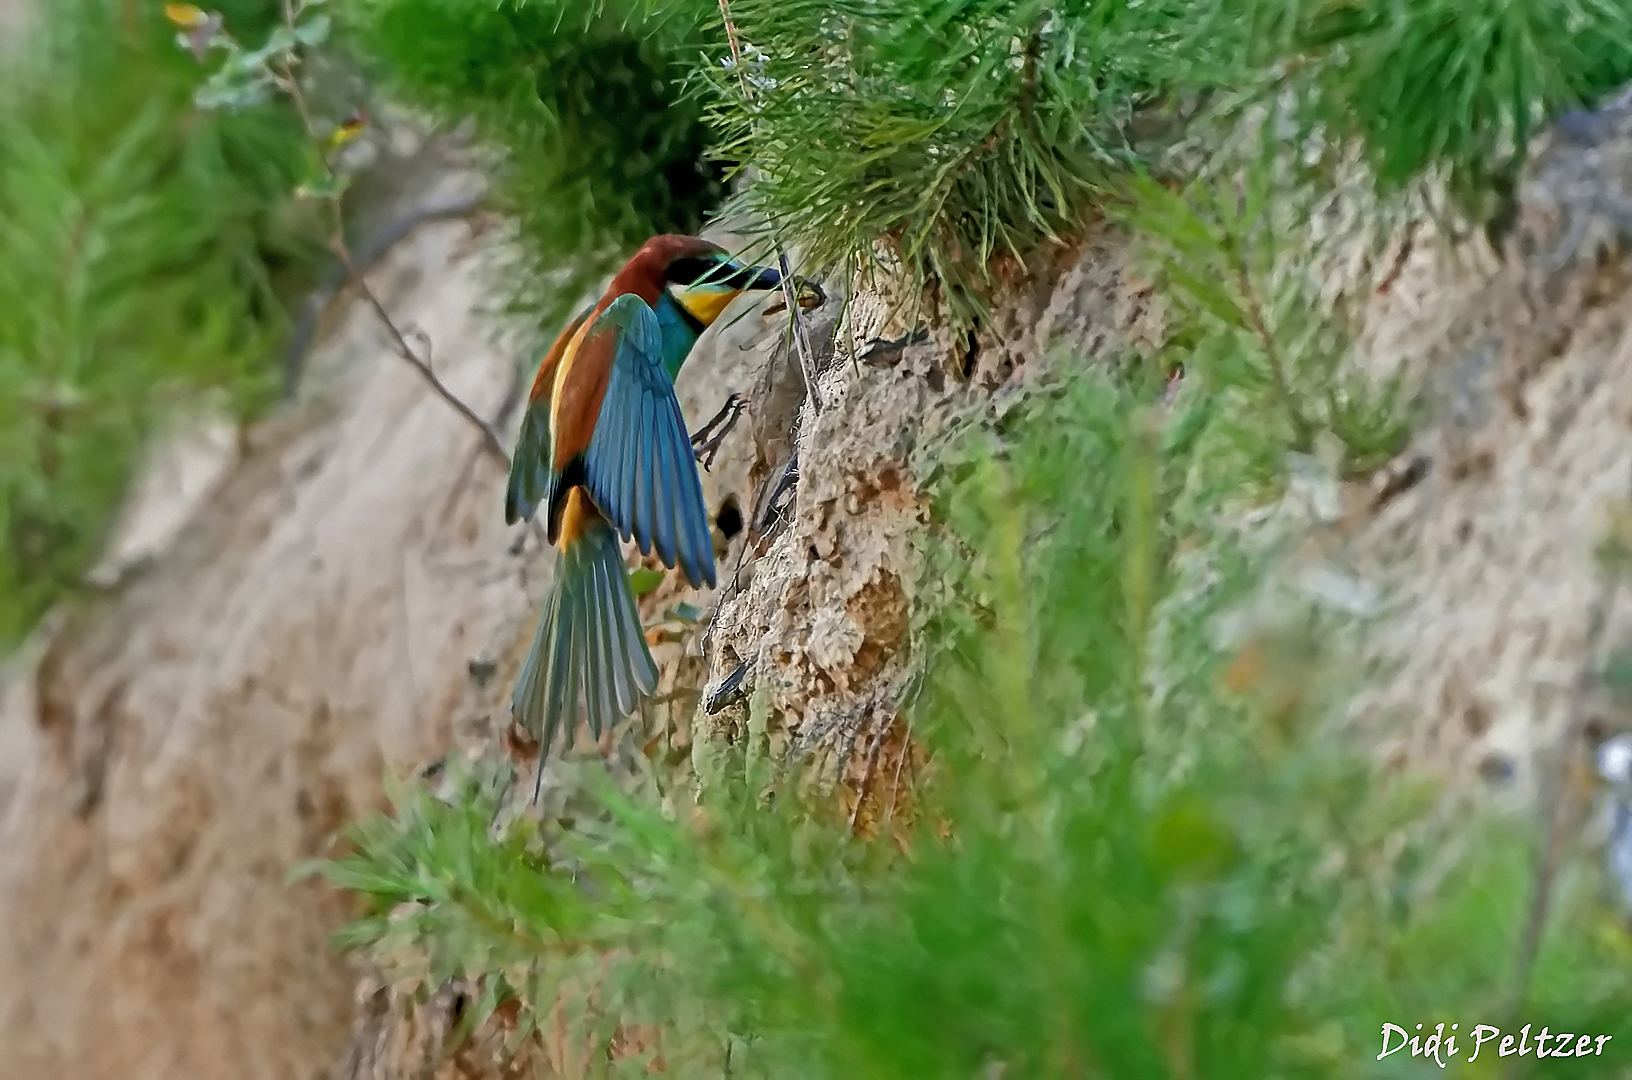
pixel 705 445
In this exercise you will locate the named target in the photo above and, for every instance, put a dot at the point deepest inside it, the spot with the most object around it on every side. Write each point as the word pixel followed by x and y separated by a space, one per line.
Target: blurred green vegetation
pixel 1451 86
pixel 603 146
pixel 1116 866
pixel 138 254
pixel 936 136
pixel 1249 323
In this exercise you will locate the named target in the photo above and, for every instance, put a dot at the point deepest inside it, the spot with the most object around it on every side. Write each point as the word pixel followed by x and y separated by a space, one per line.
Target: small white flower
pixel 1615 759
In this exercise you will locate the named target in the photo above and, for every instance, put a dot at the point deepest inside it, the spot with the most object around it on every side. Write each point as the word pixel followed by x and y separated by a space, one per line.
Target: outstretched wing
pixel 638 465
pixel 531 467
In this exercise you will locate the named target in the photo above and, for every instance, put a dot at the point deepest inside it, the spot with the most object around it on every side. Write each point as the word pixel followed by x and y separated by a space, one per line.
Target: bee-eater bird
pixel 605 454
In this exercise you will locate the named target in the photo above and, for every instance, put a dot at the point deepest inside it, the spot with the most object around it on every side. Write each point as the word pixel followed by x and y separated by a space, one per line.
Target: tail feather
pixel 616 697
pixel 589 648
pixel 624 636
pixel 597 684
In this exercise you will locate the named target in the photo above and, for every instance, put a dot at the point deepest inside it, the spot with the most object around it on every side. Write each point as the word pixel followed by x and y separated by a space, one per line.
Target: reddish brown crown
pixel 643 273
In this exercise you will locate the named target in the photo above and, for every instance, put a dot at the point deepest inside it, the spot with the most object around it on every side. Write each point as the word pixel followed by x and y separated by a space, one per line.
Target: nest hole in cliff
pixel 729 517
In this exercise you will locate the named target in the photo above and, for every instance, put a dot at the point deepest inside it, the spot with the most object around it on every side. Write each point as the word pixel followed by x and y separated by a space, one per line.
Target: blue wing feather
pixel 675 478
pixel 620 486
pixel 639 465
pixel 640 476
pixel 663 456
pixel 694 547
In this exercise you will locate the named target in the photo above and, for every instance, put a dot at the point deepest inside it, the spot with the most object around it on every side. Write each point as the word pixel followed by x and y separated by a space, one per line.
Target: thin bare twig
pixel 490 440
pixel 895 787
pixel 768 510
pixel 365 255
pixel 736 51
pixel 491 443
pixel 1553 819
pixel 1557 807
pixel 787 478
pixel 732 587
pixel 801 344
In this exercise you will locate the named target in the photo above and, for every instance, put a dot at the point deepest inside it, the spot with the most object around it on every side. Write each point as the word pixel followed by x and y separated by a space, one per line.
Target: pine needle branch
pixel 801 344
pixel 1303 431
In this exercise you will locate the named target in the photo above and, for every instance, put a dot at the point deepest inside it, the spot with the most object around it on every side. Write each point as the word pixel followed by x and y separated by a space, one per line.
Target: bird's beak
pixel 740 278
pixel 766 279
pixel 808 294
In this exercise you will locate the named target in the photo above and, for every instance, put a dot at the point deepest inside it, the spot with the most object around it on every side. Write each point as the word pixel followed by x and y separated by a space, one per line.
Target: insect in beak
pixel 809 295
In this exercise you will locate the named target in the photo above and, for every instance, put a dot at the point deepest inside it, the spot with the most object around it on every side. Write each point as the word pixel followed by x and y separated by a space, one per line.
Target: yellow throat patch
pixel 705 302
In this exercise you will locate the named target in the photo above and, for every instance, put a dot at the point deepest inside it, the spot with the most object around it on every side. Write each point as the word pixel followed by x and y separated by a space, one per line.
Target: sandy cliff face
pixel 347 602
pixel 178 746
pixel 11 18
pixel 1499 611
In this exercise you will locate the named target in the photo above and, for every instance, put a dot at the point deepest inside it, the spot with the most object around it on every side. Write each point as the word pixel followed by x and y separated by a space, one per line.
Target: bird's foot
pixel 706 443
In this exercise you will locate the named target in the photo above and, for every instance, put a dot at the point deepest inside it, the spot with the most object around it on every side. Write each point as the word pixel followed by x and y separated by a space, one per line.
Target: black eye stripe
pixel 743 277
pixel 688 268
pixel 716 271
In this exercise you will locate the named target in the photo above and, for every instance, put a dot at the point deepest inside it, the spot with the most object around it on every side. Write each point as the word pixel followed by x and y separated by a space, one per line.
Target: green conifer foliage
pixel 604 147
pixel 135 243
pixel 951 132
